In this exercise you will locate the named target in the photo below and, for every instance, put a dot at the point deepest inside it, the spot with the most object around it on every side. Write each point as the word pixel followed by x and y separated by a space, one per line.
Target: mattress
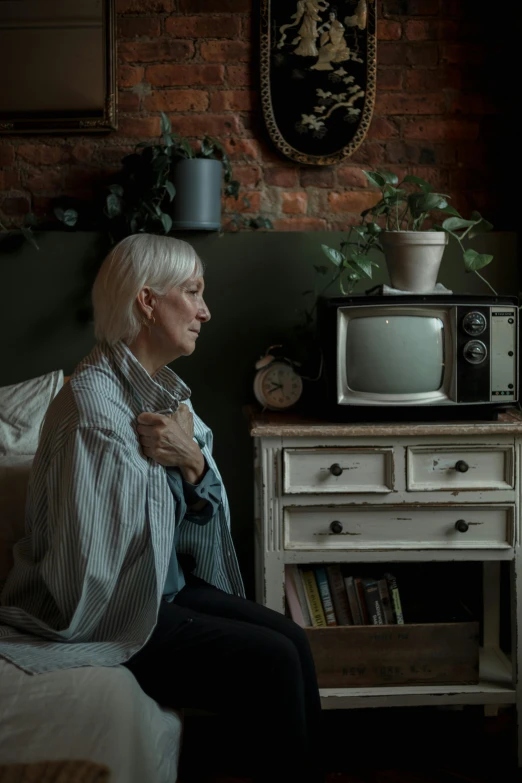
pixel 98 714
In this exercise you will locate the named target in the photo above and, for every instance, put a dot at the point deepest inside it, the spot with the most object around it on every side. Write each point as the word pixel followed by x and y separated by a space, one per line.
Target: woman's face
pixel 179 316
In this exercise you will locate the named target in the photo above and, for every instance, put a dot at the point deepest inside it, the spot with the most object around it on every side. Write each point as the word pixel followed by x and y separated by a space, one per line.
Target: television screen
pixel 395 354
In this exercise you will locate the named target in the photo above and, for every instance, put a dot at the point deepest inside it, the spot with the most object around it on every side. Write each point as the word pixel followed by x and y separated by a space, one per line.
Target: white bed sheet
pixel 94 713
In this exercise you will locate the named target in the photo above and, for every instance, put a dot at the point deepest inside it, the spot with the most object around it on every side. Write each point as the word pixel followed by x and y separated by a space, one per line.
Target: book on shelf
pixel 339 595
pixel 373 601
pixel 361 600
pixel 351 593
pixel 292 598
pixel 313 597
pixel 384 595
pixel 299 586
pixel 326 596
pixel 395 598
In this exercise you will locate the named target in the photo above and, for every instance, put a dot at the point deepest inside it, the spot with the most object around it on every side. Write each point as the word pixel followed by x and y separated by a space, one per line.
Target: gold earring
pixel 152 319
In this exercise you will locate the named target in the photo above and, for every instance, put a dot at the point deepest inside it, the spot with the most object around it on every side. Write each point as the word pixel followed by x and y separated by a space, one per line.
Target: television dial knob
pixel 336 527
pixel 336 469
pixel 474 323
pixel 475 352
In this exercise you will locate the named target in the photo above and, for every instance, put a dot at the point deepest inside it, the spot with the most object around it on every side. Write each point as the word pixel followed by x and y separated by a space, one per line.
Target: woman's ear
pixel 146 301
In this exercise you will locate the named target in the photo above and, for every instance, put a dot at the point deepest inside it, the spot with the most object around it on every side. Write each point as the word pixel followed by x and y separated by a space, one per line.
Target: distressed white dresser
pixel 353 493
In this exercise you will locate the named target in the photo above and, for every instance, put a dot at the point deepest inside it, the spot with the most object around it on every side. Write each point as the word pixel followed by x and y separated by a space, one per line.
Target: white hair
pixel 139 260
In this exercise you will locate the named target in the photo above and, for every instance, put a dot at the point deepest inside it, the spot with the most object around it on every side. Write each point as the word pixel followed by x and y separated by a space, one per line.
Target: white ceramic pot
pixel 413 258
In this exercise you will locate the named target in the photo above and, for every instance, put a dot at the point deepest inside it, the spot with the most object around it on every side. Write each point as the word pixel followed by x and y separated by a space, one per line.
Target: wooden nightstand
pixel 401 493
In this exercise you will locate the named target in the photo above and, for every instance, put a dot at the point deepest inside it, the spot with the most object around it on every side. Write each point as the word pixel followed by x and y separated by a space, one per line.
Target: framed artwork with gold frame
pixel 60 59
pixel 318 75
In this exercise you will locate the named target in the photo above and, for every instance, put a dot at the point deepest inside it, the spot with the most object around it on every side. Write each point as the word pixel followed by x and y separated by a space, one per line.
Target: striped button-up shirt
pixel 89 573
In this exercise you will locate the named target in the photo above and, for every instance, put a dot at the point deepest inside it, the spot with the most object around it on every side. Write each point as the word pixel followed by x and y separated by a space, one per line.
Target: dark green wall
pixel 254 285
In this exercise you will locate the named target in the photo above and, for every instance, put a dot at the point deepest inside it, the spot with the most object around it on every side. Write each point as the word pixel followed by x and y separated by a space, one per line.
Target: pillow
pixel 22 410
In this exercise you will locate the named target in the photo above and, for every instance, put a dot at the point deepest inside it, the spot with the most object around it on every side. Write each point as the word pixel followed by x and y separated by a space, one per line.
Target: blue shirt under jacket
pixel 186 494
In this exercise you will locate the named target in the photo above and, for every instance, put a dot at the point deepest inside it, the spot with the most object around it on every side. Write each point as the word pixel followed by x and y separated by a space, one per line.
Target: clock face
pixel 278 386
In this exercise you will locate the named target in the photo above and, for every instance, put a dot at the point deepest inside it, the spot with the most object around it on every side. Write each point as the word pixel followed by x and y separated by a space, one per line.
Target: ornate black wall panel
pixel 318 74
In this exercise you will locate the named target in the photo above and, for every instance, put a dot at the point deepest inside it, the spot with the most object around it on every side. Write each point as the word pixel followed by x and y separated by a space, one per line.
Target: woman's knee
pixel 297 635
pixel 282 658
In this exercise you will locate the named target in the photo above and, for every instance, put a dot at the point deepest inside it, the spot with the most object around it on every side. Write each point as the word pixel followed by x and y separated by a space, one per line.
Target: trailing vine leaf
pixel 454 224
pixel 207 147
pixel 360 230
pixel 390 178
pixel 474 261
pixel 232 189
pixel 420 203
pixel 260 222
pixel 182 148
pixel 166 222
pixel 449 210
pixel 393 194
pixel 114 205
pixel 334 255
pixel 363 263
pixel 423 185
pixel 171 190
pixel 68 217
pixel 375 178
pixel 166 129
pixel 480 226
pixel 159 163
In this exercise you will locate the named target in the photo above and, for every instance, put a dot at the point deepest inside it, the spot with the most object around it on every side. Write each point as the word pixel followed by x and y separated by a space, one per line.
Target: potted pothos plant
pixel 169 184
pixel 396 225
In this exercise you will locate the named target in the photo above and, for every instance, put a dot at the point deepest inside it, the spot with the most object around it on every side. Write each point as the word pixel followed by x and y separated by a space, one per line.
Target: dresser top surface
pixel 267 424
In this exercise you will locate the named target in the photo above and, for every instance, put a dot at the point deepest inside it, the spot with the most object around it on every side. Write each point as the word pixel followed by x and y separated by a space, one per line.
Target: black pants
pixel 218 652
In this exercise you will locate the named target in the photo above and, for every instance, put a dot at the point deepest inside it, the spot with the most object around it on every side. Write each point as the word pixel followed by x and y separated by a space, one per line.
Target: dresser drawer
pixel 331 470
pixel 460 468
pixel 399 527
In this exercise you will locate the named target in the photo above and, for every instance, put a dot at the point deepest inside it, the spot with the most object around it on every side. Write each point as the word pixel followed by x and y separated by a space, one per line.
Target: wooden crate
pixel 367 655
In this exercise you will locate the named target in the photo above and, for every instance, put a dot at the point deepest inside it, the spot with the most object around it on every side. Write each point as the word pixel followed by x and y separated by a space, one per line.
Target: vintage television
pixel 421 356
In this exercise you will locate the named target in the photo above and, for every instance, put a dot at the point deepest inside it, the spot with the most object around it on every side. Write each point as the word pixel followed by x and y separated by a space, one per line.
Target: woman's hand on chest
pixel 168 440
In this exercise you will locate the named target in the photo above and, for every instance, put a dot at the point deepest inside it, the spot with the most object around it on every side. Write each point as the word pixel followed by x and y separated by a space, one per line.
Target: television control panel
pixel 487 353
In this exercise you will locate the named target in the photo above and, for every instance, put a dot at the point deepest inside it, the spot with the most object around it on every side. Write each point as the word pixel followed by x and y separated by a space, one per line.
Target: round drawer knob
pixel 336 469
pixel 462 466
pixel 336 527
pixel 461 525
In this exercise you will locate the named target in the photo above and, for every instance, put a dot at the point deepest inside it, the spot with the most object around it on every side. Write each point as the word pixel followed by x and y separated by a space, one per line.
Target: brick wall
pixel 442 111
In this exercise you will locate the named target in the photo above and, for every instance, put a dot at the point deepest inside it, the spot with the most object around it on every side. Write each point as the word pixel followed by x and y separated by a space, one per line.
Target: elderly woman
pixel 127 557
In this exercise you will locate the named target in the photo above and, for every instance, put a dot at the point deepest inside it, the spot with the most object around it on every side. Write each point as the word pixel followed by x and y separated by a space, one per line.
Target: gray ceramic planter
pixel 197 203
